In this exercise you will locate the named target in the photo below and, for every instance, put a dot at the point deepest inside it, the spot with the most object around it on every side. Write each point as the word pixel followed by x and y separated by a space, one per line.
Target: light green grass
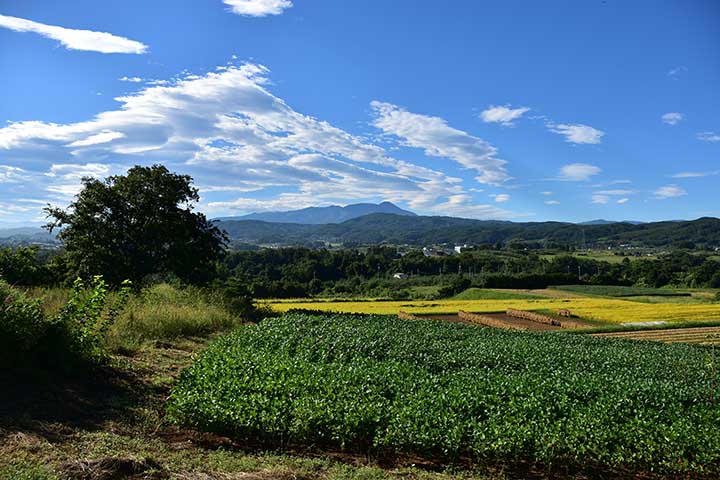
pixel 164 312
pixel 490 294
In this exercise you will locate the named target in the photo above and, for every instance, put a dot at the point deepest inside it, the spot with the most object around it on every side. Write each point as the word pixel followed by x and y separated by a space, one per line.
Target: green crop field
pixel 443 390
pixel 620 291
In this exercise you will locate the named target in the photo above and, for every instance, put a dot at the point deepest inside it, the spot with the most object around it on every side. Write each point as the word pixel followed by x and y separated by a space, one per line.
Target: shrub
pixel 73 335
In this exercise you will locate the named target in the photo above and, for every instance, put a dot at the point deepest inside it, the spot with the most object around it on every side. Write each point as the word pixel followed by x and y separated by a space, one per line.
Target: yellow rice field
pixel 599 309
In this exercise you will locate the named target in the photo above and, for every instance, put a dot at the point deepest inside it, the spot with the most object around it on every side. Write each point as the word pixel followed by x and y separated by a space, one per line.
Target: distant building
pixel 461 248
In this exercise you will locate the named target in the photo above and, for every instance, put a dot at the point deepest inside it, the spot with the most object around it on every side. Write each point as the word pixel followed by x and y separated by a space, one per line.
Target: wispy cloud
pixel 10 174
pixel 73 39
pixel 258 8
pixel 623 200
pixel 97 139
pixel 669 191
pixel 501 197
pixel 602 199
pixel 672 118
pixel 551 202
pixel 709 136
pixel 577 133
pixel 131 79
pixel 616 192
pixel 438 139
pixel 233 135
pixel 675 72
pixel 578 172
pixel 504 115
pixel 696 174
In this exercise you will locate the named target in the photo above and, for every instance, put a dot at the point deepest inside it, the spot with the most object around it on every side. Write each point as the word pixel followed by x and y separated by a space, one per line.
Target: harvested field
pixel 609 310
pixel 496 320
pixel 694 335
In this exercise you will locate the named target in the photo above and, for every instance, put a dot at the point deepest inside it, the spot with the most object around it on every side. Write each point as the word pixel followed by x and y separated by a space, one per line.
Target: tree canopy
pixel 138 224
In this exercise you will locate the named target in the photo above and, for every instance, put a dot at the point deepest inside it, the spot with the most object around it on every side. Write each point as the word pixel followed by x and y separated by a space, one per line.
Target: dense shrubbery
pixel 380 384
pixel 73 335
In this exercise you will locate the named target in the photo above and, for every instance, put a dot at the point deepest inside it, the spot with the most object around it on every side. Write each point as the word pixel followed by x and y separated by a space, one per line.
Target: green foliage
pixel 373 383
pixel 28 266
pixel 21 322
pixel 87 316
pixel 619 291
pixel 134 225
pixel 74 335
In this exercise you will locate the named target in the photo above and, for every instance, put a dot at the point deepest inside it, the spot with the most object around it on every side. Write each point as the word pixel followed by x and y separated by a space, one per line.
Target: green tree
pixel 134 225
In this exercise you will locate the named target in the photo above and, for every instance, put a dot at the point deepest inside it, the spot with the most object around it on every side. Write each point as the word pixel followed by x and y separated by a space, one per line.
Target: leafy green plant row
pixel 379 384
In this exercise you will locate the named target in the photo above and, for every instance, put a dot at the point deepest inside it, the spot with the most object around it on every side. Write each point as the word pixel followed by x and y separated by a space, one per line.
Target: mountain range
pixel 323 215
pixel 379 228
pixel 368 224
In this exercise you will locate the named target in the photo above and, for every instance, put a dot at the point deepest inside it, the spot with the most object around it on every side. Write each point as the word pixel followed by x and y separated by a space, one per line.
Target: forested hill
pixel 421 230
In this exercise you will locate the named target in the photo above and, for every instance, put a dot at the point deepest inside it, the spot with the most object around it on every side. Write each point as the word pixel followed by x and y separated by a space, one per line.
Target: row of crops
pixel 451 391
pixel 599 309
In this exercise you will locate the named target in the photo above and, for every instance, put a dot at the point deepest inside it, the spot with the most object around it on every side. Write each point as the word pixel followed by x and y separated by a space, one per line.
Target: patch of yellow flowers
pixel 599 309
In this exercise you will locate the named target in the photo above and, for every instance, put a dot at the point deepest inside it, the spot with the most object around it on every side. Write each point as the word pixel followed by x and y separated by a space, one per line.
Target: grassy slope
pixel 489 294
pixel 64 426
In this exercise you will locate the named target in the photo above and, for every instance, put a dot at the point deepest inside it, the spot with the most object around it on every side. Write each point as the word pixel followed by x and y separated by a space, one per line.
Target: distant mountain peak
pixel 324 215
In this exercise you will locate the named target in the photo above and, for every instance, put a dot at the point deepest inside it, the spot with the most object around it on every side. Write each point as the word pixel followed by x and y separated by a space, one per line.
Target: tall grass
pixel 165 312
pixel 158 312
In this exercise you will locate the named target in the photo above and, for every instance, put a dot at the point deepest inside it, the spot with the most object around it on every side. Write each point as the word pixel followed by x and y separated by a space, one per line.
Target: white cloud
pixel 577 133
pixel 674 73
pixel 672 118
pixel 72 39
pixel 709 136
pixel 228 131
pixel 438 139
pixel 258 8
pixel 546 193
pixel 669 191
pixel 10 174
pixel 97 139
pixel 578 172
pixel 623 200
pixel 616 192
pixel 551 202
pixel 502 115
pixel 502 197
pixel 696 174
pixel 603 199
pixel 131 79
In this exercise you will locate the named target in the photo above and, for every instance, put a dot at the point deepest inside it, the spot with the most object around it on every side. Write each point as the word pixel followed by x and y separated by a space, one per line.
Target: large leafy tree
pixel 138 224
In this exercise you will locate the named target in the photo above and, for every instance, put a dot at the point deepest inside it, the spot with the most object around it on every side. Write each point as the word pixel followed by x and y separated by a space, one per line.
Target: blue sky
pixel 517 110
